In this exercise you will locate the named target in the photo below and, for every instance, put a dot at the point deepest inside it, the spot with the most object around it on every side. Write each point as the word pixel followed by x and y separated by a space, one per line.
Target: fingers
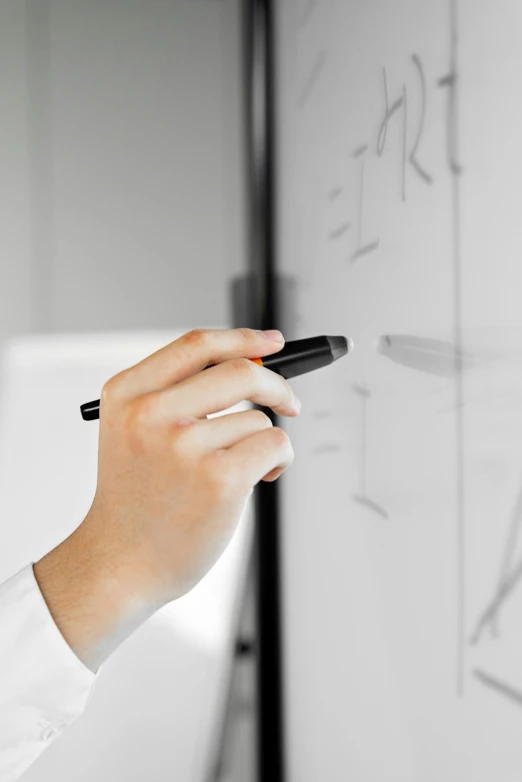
pixel 225 431
pixel 190 354
pixel 265 454
pixel 225 385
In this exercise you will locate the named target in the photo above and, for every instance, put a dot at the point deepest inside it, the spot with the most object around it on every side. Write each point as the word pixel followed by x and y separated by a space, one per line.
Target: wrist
pixel 94 603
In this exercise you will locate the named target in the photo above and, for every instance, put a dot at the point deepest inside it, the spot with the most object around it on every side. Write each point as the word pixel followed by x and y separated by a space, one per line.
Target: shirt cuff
pixel 44 686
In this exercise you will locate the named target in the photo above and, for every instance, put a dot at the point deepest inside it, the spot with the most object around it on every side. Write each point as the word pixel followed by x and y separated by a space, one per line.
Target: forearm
pixel 95 604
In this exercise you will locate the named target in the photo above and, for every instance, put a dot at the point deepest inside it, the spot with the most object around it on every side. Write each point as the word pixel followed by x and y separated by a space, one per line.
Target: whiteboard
pixel 399 161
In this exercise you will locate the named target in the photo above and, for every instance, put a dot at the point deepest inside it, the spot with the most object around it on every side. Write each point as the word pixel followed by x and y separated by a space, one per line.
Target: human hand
pixel 172 484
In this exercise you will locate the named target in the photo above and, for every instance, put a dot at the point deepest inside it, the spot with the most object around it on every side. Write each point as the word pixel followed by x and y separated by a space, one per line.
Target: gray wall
pixel 121 207
pixel 120 163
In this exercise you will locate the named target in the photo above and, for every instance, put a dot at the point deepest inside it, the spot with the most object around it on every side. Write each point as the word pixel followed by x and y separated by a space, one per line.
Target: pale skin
pixel 172 484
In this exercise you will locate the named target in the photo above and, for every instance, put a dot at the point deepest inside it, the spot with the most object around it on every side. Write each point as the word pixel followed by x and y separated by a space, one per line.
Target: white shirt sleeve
pixel 44 686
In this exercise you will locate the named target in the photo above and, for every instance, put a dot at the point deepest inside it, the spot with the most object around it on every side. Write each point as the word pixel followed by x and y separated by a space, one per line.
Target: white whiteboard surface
pixel 403 508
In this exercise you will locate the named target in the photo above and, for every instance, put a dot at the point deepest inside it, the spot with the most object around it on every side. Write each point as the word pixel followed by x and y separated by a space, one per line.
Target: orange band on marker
pixel 257 361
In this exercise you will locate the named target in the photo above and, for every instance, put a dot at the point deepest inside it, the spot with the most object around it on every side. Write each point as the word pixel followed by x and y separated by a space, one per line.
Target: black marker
pixel 296 358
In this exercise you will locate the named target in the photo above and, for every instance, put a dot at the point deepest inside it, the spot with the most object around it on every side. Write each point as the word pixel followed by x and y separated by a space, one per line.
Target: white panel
pixel 403 507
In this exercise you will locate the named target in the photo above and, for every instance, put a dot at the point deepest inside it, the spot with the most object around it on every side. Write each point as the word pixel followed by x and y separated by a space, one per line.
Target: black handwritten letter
pixel 370 247
pixel 413 154
pixel 388 114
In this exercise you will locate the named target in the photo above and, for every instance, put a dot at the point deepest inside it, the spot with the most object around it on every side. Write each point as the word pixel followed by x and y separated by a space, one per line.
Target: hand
pixel 172 485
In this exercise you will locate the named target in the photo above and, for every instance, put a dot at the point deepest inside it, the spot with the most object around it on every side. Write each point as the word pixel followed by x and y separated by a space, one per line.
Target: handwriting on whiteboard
pixel 361 496
pixel 395 109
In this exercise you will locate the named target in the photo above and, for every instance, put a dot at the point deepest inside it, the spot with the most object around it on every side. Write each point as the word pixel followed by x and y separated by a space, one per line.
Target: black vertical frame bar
pixel 263 313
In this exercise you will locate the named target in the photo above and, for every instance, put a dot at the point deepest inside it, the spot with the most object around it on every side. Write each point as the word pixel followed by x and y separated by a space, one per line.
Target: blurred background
pixel 121 186
pixel 121 194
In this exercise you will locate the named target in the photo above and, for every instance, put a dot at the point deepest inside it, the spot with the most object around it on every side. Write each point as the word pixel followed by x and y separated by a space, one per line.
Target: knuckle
pixel 243 367
pixel 261 419
pixel 283 444
pixel 280 437
pixel 197 337
pixel 247 334
pixel 111 388
pixel 183 441
pixel 139 414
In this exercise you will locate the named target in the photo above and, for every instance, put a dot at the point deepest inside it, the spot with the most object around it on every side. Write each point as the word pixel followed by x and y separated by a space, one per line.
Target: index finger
pixel 193 352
